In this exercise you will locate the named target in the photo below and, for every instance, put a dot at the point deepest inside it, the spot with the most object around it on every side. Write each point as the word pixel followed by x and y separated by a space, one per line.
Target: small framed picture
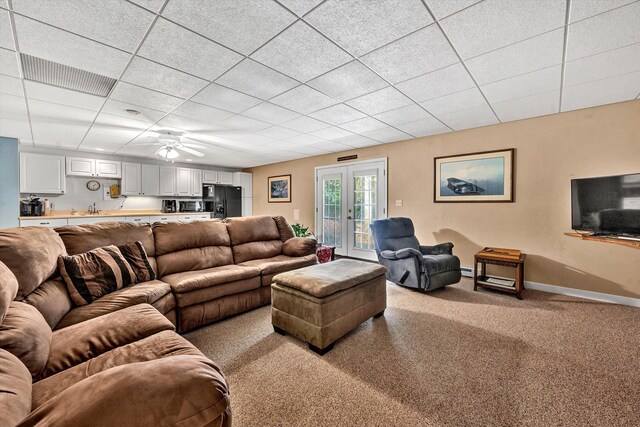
pixel 476 177
pixel 280 189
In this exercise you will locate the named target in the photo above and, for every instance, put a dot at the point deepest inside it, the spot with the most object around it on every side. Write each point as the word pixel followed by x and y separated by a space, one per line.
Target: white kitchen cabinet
pixel 244 180
pixel 167 181
pixel 195 217
pixel 93 220
pixel 247 206
pixel 108 168
pixel 42 174
pixel 196 182
pixel 150 180
pixel 210 177
pixel 131 184
pixel 80 166
pixel 164 218
pixel 136 219
pixel 183 182
pixel 44 222
pixel 225 178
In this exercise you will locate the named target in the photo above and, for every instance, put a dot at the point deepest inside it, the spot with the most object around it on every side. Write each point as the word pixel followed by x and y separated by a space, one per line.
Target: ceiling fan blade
pixel 189 150
pixel 147 144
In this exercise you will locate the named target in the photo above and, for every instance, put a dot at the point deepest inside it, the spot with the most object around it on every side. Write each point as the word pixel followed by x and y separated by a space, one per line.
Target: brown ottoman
pixel 323 302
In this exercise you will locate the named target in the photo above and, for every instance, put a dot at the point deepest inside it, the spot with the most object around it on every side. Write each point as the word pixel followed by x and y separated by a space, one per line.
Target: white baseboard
pixel 572 292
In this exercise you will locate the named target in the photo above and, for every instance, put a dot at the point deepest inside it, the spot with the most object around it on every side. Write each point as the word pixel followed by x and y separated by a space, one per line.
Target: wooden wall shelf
pixel 629 243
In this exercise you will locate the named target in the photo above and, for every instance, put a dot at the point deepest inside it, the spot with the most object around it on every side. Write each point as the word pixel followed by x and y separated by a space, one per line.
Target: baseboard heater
pixel 466 271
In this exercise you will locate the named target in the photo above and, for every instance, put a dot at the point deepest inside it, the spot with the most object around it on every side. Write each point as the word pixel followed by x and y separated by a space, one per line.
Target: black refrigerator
pixel 223 200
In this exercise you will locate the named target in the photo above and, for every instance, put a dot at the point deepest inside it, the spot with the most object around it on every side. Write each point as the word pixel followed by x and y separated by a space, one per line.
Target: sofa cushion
pixel 286 232
pixel 93 274
pixel 137 258
pixel 143 394
pixel 52 300
pixel 299 246
pixel 83 341
pixel 441 263
pixel 193 280
pixel 156 346
pixel 25 334
pixel 8 289
pixel 82 238
pixel 278 264
pixel 191 246
pixel 254 237
pixel 15 389
pixel 31 253
pixel 142 293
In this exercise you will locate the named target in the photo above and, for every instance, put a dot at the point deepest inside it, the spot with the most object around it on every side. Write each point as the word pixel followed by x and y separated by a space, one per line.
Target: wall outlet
pixel 398 202
pixel 296 214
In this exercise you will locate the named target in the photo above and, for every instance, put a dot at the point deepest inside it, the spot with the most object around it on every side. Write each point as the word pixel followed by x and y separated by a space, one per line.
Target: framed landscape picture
pixel 474 177
pixel 280 189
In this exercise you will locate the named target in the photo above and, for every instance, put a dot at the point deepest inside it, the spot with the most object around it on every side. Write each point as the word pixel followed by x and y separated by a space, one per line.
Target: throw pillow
pixel 93 274
pixel 137 258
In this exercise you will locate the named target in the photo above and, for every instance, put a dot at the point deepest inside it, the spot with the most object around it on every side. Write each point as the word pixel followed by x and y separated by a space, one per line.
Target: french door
pixel 348 199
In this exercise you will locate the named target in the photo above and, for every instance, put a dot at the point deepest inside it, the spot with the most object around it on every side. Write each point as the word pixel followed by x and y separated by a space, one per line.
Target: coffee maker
pixel 169 206
pixel 31 206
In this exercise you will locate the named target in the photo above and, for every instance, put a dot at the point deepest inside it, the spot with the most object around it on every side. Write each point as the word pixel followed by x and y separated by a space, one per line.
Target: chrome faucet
pixel 93 210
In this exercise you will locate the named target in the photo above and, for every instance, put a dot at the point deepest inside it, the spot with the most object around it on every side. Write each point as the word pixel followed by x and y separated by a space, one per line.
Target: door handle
pixel 349 217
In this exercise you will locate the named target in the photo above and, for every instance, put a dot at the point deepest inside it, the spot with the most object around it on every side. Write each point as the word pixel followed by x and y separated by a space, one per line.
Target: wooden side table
pixel 484 280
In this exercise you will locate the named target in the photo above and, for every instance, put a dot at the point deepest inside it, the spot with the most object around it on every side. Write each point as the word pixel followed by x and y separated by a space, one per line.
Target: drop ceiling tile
pixel 300 7
pixel 607 64
pixel 242 26
pixel 416 54
pixel 59 125
pixel 9 63
pixel 470 118
pixel 113 131
pixel 581 9
pixel 463 100
pixel 600 92
pixel 305 124
pixel 402 115
pixel 363 125
pixel 451 79
pixel 226 99
pixel 177 47
pixel 6 35
pixel 136 95
pixel 387 134
pixel 380 101
pixel 306 139
pixel 530 106
pixel 502 23
pixel 50 43
pixel 256 80
pixel 116 23
pixel 301 52
pixel 527 84
pixel 338 114
pixel 361 26
pixel 311 150
pixel 10 86
pixel 530 55
pixel 332 133
pixel 162 79
pixel 152 5
pixel 270 113
pixel 138 151
pixel 303 99
pixel 444 8
pixel 118 108
pixel 14 120
pixel 202 113
pixel 279 132
pixel 347 82
pixel 357 141
pixel 245 123
pixel 187 124
pixel 335 147
pixel 56 95
pixel 610 30
pixel 277 146
pixel 424 127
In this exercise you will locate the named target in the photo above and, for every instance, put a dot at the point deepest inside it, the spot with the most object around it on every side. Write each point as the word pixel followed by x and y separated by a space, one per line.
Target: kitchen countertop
pixel 108 213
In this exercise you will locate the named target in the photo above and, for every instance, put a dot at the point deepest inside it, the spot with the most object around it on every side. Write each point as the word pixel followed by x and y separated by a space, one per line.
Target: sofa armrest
pixel 439 249
pixel 299 246
pixel 177 390
pixel 401 254
pixel 80 342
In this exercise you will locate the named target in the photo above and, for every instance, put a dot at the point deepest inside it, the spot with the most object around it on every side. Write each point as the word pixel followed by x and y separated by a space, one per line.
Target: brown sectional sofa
pixel 107 362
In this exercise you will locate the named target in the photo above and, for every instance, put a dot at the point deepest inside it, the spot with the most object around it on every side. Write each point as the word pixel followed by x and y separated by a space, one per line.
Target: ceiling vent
pixel 55 74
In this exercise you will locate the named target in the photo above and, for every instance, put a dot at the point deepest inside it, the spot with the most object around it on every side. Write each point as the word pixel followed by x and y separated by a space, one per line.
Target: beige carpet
pixel 449 358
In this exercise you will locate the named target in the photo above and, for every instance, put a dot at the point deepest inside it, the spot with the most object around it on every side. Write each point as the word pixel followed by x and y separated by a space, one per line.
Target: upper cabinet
pixel 217 177
pixel 79 166
pixel 42 173
pixel 150 180
pixel 244 180
pixel 167 181
pixel 196 182
pixel 131 184
pixel 225 177
pixel 183 182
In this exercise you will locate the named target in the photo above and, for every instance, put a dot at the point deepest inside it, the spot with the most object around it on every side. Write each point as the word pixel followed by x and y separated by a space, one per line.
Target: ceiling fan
pixel 170 145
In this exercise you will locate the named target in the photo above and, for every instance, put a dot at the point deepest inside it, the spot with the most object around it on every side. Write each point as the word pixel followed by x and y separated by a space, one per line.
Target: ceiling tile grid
pixel 9 63
pixel 256 80
pixel 303 99
pixel 380 101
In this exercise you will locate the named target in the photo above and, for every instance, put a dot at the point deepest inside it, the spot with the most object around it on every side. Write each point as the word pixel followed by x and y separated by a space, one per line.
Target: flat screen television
pixel 607 205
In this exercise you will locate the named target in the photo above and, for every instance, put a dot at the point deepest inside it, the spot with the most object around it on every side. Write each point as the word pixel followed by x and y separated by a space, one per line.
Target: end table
pixel 504 257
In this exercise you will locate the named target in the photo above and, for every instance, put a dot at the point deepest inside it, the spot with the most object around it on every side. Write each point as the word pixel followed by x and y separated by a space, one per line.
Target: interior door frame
pixel 382 200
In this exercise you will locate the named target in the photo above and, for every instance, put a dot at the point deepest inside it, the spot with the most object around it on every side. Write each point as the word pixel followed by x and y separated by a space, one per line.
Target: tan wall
pixel 550 151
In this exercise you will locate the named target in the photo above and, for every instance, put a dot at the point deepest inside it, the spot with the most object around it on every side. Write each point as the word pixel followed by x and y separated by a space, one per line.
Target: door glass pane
pixel 365 210
pixel 332 211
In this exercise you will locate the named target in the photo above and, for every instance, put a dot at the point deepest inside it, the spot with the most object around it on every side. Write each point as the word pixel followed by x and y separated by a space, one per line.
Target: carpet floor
pixel 453 357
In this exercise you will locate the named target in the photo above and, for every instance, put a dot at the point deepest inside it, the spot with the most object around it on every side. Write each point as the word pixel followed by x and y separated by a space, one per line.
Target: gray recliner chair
pixel 409 264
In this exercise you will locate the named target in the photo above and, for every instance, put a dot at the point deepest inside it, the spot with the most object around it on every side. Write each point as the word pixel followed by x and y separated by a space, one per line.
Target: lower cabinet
pixel 44 222
pixel 136 219
pixel 196 217
pixel 89 220
pixel 164 218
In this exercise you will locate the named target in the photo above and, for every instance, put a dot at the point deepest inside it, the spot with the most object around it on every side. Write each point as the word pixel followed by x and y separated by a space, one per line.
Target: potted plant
pixel 300 230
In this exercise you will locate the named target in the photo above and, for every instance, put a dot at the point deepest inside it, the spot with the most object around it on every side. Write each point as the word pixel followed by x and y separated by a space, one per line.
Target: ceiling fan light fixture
pixel 168 153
